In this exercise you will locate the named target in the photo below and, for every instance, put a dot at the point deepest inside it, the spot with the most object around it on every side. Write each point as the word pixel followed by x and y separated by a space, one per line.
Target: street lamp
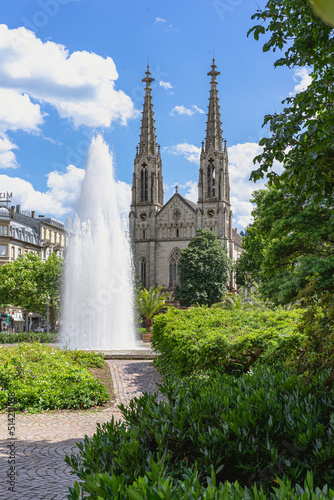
pixel 48 298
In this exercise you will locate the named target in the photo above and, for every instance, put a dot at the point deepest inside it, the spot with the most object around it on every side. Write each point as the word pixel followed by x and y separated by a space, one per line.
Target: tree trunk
pixel 149 324
pixel 52 319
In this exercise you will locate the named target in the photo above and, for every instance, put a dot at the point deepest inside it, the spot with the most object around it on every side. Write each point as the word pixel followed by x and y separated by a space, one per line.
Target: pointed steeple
pixel 148 143
pixel 214 137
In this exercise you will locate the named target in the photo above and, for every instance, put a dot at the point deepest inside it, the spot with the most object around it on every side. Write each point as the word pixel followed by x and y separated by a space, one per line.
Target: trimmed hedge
pixel 15 338
pixel 202 339
pixel 252 429
pixel 43 378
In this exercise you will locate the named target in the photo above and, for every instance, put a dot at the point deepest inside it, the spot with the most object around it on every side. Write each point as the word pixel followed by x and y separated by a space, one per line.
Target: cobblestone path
pixel 43 440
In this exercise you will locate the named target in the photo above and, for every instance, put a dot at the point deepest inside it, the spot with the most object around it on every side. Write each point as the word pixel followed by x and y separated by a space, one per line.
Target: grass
pixel 46 378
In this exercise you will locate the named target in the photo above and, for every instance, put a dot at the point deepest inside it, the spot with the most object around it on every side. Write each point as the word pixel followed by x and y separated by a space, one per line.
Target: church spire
pixel 214 136
pixel 148 143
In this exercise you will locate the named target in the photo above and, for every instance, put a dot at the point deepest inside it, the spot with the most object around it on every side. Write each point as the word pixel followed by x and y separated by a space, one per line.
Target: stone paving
pixel 43 440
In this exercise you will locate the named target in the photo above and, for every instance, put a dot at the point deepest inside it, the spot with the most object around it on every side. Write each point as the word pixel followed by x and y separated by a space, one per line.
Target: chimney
pixel 18 209
pixel 236 229
pixel 33 214
pixel 12 212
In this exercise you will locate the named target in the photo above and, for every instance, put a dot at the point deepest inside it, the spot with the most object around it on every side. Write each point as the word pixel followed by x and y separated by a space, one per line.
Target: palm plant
pixel 149 303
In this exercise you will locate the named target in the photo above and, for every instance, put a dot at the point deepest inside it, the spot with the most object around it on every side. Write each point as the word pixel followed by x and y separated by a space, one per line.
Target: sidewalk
pixel 43 440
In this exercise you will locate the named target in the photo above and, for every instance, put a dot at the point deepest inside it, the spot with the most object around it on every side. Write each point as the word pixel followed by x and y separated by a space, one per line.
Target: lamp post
pixel 48 298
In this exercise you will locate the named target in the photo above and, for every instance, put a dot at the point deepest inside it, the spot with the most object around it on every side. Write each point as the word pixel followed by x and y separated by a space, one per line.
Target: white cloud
pixel 18 112
pixel 159 20
pixel 189 151
pixel 303 79
pixel 7 156
pixel 196 108
pixel 165 85
pixel 62 195
pixel 182 110
pixel 81 85
pixel 240 167
pixel 192 193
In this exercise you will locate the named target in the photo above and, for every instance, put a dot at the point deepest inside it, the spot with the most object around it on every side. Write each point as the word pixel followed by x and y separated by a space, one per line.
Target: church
pixel 160 231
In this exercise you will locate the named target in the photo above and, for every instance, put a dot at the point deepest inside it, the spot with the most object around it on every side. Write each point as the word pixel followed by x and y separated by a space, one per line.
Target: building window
pixel 3 250
pixel 144 183
pixel 178 233
pixel 211 179
pixel 19 252
pixel 1 230
pixel 5 230
pixel 143 272
pixel 13 253
pixel 144 234
pixel 174 273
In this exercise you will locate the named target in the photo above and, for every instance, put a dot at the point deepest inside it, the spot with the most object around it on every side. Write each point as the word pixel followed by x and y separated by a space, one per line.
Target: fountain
pixel 98 294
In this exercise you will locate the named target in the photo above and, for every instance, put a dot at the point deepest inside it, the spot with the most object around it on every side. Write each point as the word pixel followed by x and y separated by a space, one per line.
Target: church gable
pixel 177 219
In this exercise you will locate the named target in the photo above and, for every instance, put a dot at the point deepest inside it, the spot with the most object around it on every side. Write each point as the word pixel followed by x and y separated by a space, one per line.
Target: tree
pixel 289 241
pixel 27 281
pixel 149 303
pixel 302 134
pixel 204 270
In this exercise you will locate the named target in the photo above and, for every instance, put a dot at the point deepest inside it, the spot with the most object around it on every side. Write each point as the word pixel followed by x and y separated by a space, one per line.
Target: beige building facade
pixel 160 231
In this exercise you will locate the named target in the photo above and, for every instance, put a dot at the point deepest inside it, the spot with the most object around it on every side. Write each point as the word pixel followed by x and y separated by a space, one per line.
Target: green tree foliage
pixel 302 134
pixel 27 281
pixel 290 240
pixel 204 270
pixel 324 9
pixel 149 303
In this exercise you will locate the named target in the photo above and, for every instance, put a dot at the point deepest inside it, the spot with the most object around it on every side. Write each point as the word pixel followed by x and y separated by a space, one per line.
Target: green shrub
pixel 14 338
pixel 215 339
pixel 153 486
pixel 44 378
pixel 251 429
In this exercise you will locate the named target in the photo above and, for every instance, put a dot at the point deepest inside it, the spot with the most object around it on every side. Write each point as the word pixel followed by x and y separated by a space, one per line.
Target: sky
pixel 71 69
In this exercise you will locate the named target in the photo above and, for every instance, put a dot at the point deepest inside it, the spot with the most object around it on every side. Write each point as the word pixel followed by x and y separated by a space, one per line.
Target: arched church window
pixel 143 272
pixel 177 233
pixel 211 179
pixel 144 183
pixel 174 273
pixel 144 234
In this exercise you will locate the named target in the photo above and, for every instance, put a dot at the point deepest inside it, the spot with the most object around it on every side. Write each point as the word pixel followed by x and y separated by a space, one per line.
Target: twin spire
pixel 214 135
pixel 148 142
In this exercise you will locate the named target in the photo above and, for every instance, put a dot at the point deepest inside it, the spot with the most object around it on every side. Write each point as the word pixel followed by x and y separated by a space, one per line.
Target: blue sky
pixel 72 68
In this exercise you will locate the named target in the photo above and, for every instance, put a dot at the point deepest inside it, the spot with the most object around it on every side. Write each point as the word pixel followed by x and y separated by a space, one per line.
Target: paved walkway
pixel 43 440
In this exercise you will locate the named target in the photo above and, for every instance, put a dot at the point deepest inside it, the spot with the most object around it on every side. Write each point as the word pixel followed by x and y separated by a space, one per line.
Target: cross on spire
pixel 148 79
pixel 213 73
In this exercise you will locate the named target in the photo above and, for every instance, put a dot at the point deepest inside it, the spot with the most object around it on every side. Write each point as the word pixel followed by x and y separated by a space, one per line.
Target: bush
pixel 251 429
pixel 152 486
pixel 215 339
pixel 14 338
pixel 43 378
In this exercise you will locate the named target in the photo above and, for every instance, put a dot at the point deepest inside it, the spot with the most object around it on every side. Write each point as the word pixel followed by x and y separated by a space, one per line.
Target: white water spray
pixel 98 296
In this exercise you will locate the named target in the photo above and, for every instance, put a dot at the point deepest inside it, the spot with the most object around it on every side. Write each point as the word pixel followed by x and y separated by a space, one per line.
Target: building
pixel 22 233
pixel 160 231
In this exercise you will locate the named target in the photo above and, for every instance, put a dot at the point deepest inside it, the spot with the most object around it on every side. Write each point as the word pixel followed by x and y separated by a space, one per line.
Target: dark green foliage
pixel 250 429
pixel 13 338
pixel 43 378
pixel 204 270
pixel 302 134
pixel 289 241
pixel 217 339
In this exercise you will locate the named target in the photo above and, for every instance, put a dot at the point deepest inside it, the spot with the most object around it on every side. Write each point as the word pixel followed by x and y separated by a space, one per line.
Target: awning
pixel 18 316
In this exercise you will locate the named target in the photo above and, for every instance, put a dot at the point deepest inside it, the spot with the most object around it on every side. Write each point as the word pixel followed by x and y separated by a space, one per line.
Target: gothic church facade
pixel 160 231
